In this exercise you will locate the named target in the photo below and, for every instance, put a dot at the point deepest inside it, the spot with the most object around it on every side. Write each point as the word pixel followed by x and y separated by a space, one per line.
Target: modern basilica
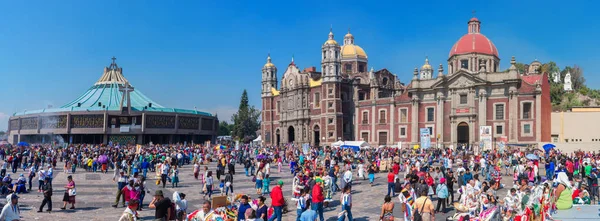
pixel 346 101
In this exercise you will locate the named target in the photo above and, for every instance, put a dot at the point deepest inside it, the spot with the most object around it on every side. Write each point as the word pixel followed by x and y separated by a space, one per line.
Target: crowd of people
pixel 461 181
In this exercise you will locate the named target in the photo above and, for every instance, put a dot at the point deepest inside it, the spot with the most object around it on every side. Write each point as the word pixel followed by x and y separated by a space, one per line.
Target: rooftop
pixel 109 93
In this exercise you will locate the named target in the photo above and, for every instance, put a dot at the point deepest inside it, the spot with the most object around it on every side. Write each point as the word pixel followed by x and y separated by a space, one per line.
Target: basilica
pixel 347 101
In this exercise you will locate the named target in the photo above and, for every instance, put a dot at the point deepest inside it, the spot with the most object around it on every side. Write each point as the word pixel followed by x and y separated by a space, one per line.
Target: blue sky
pixel 202 54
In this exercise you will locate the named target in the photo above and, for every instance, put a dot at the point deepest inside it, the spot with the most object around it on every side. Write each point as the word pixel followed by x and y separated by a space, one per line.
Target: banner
pixel 425 138
pixel 501 143
pixel 485 137
pixel 306 148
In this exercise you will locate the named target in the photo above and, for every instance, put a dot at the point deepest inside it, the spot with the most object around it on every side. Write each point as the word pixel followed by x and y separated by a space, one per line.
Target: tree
pixel 225 128
pixel 246 121
pixel 577 77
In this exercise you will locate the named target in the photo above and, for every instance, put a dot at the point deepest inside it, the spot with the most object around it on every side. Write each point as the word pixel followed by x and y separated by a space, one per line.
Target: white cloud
pixel 4 121
pixel 224 113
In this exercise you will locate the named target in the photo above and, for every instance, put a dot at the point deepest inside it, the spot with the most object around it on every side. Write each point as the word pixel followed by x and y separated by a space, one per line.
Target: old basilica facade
pixel 345 101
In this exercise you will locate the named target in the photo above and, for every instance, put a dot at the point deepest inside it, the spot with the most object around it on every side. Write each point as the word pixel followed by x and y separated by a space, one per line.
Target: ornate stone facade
pixel 346 102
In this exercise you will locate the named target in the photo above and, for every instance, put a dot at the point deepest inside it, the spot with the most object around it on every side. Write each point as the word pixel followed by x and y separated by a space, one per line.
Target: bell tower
pixel 269 77
pixel 331 60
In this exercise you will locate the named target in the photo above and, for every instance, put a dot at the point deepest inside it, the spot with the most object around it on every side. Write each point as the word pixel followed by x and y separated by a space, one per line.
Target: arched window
pixel 348 68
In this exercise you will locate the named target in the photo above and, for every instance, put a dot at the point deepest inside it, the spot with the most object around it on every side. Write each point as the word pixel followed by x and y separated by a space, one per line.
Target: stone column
pixel 415 120
pixel 482 107
pixel 392 123
pixel 513 114
pixel 538 117
pixel 439 128
pixel 373 123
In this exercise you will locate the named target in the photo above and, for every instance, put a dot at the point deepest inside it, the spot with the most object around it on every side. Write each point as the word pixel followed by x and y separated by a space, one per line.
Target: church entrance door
pixel 462 132
pixel 316 135
pixel 291 134
pixel 277 138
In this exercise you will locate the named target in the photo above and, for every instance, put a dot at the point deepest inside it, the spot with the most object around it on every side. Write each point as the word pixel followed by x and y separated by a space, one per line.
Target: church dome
pixel 426 66
pixel 353 51
pixel 474 42
pixel 269 64
pixel 330 40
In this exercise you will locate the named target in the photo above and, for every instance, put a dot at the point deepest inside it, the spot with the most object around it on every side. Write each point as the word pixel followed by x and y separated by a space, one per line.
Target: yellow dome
pixel 348 35
pixel 331 42
pixel 426 66
pixel 353 51
pixel 269 64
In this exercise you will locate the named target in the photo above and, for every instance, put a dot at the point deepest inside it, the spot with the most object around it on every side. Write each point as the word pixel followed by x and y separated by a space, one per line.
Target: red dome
pixel 474 43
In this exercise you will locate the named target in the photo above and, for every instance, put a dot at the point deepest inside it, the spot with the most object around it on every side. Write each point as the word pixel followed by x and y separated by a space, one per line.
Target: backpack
pixel 173 212
pixel 417 215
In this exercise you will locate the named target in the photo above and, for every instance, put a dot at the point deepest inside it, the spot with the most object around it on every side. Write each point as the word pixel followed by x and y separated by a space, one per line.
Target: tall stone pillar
pixel 482 113
pixel 392 123
pixel 513 114
pixel 414 124
pixel 373 123
pixel 439 127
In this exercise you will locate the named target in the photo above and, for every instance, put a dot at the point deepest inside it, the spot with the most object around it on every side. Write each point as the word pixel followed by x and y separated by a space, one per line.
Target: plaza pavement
pixel 96 194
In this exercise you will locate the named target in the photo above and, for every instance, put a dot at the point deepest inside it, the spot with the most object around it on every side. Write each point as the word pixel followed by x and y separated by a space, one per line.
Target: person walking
pixel 121 183
pixel 32 173
pixel 47 190
pixel 164 174
pixel 442 193
pixel 175 177
pixel 229 182
pixel 390 186
pixel 277 201
pixel 346 201
pixel 209 184
pixel 70 193
pixel 318 199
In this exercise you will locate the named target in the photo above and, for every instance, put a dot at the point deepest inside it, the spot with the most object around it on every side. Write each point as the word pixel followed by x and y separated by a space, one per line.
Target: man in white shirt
pixel 347 178
pixel 482 164
pixel 41 177
pixel 11 211
pixel 164 173
pixel 50 173
pixel 206 214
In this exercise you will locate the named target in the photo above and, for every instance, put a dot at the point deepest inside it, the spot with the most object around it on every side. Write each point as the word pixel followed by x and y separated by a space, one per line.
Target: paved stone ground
pixel 96 194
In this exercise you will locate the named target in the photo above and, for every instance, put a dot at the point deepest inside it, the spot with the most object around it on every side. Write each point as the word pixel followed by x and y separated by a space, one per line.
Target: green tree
pixel 246 121
pixel 225 128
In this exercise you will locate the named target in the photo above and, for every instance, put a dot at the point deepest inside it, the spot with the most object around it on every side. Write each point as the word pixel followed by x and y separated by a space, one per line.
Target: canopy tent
pixel 337 144
pixel 355 145
pixel 258 139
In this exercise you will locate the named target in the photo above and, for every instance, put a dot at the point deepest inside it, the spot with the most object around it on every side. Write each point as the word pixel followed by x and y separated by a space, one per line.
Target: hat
pixel 158 193
pixel 442 180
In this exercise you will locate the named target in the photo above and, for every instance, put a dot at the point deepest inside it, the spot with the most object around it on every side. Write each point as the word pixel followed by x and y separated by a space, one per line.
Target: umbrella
pixel 532 157
pixel 548 147
pixel 261 157
pixel 421 174
pixel 102 159
pixel 23 144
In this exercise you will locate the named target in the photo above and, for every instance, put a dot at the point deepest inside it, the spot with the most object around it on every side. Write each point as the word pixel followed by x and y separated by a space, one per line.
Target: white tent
pixel 354 144
pixel 258 139
pixel 337 144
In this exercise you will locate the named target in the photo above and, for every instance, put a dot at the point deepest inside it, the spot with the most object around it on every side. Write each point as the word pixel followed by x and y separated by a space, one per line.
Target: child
pixel 266 182
pixel 221 186
pixel 301 204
